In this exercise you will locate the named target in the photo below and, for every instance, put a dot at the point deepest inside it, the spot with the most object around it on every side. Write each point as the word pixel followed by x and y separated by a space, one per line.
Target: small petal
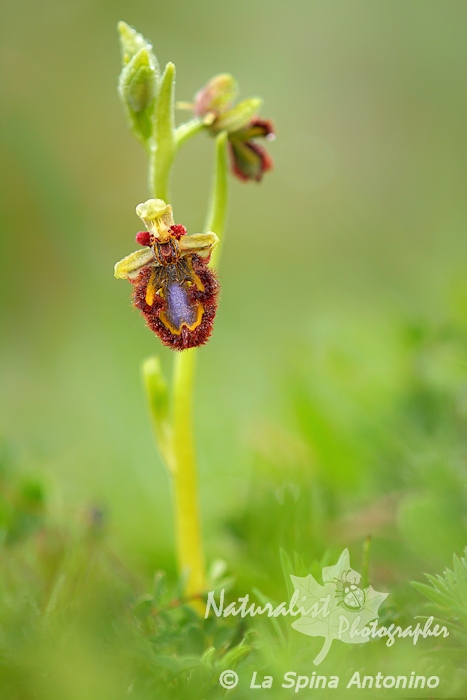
pixel 216 96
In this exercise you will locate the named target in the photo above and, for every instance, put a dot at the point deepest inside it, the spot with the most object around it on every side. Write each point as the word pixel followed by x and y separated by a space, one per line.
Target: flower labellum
pixel 172 285
pixel 250 160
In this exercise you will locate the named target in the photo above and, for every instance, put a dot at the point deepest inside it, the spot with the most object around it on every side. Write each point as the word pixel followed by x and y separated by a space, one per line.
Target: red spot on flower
pixel 143 238
pixel 177 231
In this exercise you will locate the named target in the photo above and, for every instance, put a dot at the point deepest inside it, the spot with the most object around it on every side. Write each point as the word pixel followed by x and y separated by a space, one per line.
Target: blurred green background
pixel 331 402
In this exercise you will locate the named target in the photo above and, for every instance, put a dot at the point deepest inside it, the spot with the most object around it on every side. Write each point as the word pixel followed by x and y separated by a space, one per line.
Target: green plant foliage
pixel 330 406
pixel 449 593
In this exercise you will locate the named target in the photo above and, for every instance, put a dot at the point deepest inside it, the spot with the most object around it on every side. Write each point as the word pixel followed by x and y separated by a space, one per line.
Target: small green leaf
pixel 160 585
pixel 158 396
pixel 164 133
pixel 208 657
pixel 460 571
pixel 233 656
pixel 265 600
pixel 143 607
pixel 438 583
pixel 156 387
pixel 441 599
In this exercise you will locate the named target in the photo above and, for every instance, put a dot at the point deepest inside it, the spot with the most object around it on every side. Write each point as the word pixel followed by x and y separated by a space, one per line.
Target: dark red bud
pixel 249 160
pixel 143 238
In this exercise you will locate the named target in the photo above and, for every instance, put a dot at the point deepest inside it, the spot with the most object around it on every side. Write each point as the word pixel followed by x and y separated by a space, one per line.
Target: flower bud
pixel 138 81
pixel 216 96
pixel 137 88
pixel 131 42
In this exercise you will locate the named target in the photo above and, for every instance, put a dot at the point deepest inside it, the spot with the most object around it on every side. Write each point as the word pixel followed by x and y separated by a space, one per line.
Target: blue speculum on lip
pixel 179 309
pixel 178 299
pixel 173 286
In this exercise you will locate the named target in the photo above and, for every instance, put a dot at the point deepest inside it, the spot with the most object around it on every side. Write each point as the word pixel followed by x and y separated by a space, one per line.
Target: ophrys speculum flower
pixel 172 285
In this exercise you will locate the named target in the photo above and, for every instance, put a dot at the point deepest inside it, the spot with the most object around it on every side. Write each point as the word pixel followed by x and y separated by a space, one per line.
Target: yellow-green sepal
pixel 200 243
pixel 239 116
pixel 131 266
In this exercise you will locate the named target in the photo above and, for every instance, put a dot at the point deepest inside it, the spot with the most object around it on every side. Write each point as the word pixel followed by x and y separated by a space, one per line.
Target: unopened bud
pixel 216 96
pixel 131 42
pixel 137 88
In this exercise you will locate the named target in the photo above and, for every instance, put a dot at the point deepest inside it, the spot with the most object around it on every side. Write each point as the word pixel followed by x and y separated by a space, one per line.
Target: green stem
pixel 175 432
pixel 186 131
pixel 217 211
pixel 189 541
